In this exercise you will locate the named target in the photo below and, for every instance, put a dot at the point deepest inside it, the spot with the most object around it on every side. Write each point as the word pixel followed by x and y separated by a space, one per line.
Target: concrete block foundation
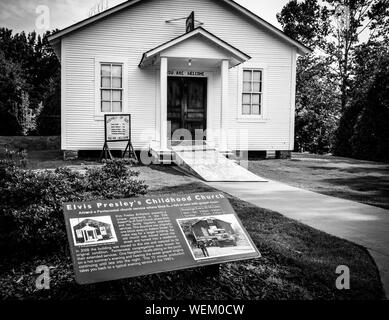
pixel 70 155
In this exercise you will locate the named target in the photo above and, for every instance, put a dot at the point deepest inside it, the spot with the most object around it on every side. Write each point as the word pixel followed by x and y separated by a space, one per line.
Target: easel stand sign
pixel 117 128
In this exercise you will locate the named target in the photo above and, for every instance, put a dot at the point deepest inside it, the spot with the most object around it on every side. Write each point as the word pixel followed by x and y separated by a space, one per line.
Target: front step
pixel 168 156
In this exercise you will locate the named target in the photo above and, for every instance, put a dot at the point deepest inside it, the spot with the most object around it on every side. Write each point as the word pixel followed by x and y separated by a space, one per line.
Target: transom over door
pixel 187 104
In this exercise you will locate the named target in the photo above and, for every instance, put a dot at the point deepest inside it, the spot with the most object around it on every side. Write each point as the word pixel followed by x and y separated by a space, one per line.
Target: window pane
pixel 116 71
pixel 105 70
pixel 247 75
pixel 257 76
pixel 255 98
pixel 247 86
pixel 106 106
pixel 116 82
pixel 106 95
pixel 105 82
pixel 116 106
pixel 256 87
pixel 255 109
pixel 116 95
pixel 246 109
pixel 246 98
pixel 111 77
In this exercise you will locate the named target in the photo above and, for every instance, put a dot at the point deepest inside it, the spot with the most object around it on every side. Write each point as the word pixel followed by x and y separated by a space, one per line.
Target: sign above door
pixel 185 73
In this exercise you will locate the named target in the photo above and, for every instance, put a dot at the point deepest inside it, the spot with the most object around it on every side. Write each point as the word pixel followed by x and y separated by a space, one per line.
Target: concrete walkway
pixel 362 224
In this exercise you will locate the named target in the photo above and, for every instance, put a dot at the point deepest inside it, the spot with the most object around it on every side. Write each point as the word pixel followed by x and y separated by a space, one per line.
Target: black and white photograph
pixel 118 117
pixel 214 236
pixel 92 230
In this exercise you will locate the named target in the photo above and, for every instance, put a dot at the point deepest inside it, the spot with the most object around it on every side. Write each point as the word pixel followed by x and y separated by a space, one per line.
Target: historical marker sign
pixel 117 127
pixel 114 239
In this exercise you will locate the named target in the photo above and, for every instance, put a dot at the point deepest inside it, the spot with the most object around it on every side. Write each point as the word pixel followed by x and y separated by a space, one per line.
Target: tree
pixel 306 21
pixel 11 86
pixel 365 62
pixel 317 105
pixel 371 136
pixel 25 116
pixel 30 82
pixel 364 128
pixel 49 120
pixel 332 28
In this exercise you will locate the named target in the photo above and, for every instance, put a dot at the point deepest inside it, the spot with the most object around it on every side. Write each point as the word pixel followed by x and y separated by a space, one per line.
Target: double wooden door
pixel 187 104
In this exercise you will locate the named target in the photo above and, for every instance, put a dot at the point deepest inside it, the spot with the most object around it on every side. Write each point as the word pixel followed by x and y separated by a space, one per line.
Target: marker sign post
pixel 117 128
pixel 115 239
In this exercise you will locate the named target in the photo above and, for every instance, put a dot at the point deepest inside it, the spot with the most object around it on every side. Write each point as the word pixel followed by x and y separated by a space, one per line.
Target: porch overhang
pixel 213 48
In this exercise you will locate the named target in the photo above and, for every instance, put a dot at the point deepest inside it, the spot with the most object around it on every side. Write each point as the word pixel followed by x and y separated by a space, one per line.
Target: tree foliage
pixel 334 28
pixel 317 105
pixel 363 131
pixel 344 35
pixel 11 86
pixel 306 21
pixel 29 80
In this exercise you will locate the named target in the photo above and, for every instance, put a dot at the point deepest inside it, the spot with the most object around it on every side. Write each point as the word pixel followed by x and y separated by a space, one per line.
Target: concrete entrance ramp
pixel 209 165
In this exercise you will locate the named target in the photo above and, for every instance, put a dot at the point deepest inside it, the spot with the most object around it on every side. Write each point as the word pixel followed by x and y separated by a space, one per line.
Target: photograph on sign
pixel 92 230
pixel 214 236
pixel 117 127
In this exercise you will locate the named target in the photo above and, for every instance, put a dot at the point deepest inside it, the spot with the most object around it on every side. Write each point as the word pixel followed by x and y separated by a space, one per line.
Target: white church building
pixel 178 64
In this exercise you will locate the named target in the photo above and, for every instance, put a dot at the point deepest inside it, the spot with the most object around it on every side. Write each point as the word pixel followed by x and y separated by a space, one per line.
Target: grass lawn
pixel 50 159
pixel 298 262
pixel 357 180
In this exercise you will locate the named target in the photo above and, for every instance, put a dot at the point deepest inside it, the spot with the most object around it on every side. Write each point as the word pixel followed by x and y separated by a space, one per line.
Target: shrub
pixel 31 201
pixel 13 157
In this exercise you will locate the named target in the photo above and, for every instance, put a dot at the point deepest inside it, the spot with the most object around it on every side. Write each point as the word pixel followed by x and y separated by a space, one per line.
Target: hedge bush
pixel 31 201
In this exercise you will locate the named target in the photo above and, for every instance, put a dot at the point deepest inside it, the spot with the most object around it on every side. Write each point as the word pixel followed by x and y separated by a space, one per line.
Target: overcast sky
pixel 20 15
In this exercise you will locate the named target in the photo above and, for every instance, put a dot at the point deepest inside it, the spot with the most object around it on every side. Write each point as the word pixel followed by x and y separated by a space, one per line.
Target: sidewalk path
pixel 360 223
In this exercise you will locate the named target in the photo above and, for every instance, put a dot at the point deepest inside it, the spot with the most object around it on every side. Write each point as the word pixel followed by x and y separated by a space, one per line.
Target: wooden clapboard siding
pixel 141 27
pixel 196 47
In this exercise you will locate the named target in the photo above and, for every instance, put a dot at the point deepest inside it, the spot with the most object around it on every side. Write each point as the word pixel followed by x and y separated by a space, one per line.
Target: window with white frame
pixel 252 92
pixel 111 87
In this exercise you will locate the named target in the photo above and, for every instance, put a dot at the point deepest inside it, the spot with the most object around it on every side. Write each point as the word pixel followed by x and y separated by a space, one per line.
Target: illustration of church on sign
pixel 89 231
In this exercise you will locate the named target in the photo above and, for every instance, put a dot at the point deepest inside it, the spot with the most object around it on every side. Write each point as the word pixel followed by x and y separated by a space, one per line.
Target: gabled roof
pixel 89 222
pixel 210 218
pixel 302 49
pixel 237 55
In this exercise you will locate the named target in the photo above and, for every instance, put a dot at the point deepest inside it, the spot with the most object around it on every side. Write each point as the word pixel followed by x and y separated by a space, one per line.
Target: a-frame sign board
pixel 117 128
